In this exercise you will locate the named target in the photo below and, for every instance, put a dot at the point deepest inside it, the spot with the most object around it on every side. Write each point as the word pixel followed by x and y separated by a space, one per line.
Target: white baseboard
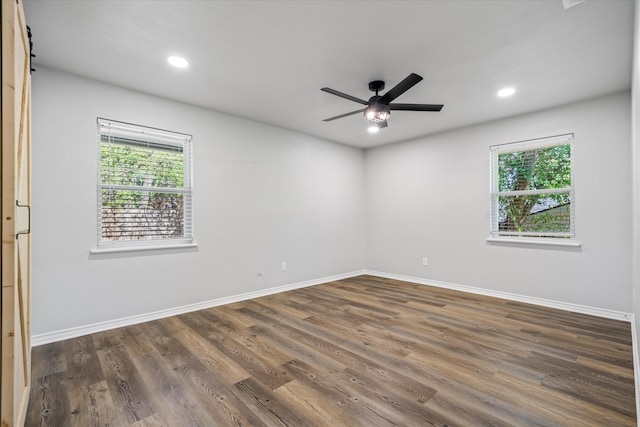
pixel 64 334
pixel 594 311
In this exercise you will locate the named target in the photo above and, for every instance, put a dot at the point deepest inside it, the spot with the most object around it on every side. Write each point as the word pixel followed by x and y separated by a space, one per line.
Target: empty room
pixel 320 213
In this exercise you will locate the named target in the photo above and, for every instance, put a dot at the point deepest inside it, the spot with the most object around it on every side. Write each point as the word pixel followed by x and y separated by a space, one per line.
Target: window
pixel 144 186
pixel 532 189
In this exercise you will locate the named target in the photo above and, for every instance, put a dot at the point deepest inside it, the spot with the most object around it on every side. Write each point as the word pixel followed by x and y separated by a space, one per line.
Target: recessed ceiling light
pixel 178 61
pixel 508 91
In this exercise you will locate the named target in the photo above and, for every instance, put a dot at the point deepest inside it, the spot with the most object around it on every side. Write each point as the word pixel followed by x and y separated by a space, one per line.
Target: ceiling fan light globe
pixel 376 116
pixel 379 117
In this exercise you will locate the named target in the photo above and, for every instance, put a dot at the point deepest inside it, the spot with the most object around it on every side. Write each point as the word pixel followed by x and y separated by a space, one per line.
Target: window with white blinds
pixel 532 189
pixel 144 186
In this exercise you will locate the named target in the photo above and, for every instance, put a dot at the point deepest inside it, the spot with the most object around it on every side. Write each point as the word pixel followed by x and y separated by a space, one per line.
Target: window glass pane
pixel 144 185
pixel 544 213
pixel 536 169
pixel 141 215
pixel 133 163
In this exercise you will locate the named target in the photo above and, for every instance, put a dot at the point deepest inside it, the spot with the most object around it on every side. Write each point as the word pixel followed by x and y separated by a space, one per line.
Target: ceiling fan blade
pixel 344 115
pixel 400 88
pixel 344 95
pixel 416 107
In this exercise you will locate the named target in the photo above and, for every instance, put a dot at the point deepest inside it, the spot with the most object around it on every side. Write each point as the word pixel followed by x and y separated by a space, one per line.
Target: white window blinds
pixel 144 185
pixel 532 188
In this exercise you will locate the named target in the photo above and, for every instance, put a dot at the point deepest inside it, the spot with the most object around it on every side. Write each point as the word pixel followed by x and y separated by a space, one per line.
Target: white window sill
pixel 535 241
pixel 141 248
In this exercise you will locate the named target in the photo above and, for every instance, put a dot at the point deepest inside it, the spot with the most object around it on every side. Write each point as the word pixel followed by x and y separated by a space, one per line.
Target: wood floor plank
pixel 395 397
pixel 175 402
pixel 356 407
pixel 209 355
pixel 602 367
pixel 103 410
pixel 309 353
pixel 210 388
pixel 48 359
pixel 248 359
pixel 48 402
pixel 363 351
pixel 126 385
pixel 313 403
pixel 267 405
pixel 274 353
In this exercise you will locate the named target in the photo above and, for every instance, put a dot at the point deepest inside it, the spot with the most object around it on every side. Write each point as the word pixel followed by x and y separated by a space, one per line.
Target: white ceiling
pixel 267 60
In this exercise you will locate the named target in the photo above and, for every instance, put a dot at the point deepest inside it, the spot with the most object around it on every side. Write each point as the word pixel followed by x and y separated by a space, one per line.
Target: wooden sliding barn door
pixel 16 198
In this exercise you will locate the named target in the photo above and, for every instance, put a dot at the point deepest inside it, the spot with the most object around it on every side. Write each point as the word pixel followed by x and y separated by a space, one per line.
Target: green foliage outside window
pixel 134 164
pixel 535 169
pixel 144 211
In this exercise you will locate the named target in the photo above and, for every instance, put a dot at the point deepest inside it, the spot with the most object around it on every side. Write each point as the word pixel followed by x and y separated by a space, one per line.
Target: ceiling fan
pixel 378 108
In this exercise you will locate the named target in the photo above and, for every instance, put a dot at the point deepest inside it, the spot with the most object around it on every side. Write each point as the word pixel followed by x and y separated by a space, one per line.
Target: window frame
pixel 154 137
pixel 551 238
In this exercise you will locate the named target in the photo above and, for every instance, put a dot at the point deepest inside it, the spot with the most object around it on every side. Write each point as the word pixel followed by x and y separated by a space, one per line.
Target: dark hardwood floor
pixel 363 351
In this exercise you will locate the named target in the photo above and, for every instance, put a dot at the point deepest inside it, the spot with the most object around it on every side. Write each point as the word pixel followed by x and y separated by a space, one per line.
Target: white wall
pixel 265 195
pixel 262 195
pixel 635 162
pixel 430 197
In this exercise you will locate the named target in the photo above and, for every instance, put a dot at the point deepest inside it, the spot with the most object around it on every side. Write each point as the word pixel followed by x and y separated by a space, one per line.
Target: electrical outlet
pixel 425 261
pixel 283 266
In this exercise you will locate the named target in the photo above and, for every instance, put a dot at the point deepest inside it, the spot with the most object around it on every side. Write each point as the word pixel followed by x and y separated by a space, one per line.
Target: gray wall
pixel 265 195
pixel 430 197
pixel 635 161
pixel 262 195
